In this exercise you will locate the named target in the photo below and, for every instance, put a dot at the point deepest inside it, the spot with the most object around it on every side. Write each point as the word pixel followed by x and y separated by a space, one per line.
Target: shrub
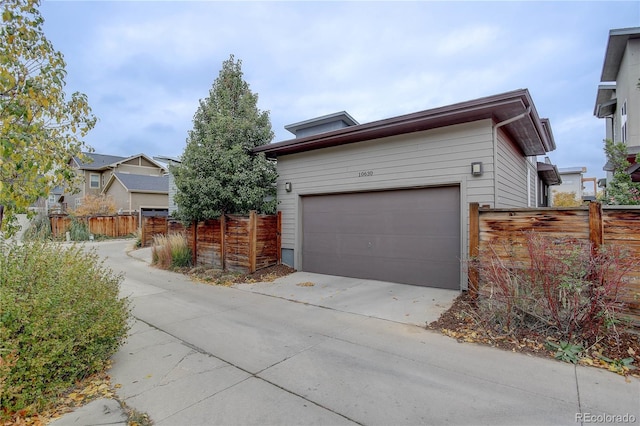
pixel 60 320
pixel 78 230
pixel 565 199
pixel 559 287
pixel 39 229
pixel 170 252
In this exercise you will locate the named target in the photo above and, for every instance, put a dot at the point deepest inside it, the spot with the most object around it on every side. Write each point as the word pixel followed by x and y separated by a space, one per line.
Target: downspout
pixel 495 150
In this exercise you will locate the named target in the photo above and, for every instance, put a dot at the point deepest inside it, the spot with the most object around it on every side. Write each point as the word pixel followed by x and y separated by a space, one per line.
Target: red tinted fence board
pixel 232 242
pixel 505 230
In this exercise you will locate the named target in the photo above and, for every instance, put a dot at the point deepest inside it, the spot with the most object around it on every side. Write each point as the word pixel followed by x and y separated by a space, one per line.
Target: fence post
pixel 253 237
pixel 223 240
pixel 194 243
pixel 279 237
pixel 474 249
pixel 596 225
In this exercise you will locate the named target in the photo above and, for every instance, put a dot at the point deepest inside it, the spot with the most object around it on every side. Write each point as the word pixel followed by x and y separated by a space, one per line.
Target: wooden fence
pixel 110 226
pixel 507 228
pixel 235 243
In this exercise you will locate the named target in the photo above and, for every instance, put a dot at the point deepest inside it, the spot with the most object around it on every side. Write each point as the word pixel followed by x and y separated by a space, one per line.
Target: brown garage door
pixel 408 236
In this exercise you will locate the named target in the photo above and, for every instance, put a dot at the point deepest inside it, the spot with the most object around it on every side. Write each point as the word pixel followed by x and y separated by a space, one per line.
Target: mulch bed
pixel 459 323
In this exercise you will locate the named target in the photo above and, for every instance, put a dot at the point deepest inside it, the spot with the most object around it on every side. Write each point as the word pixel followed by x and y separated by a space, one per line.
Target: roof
pixel 104 162
pixel 100 161
pixel 605 100
pixel 531 133
pixel 549 174
pixel 569 170
pixel 336 117
pixel 141 183
pixel 615 51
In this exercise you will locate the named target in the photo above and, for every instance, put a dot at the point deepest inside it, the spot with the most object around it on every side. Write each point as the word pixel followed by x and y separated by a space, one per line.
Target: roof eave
pixel 614 52
pixel 497 107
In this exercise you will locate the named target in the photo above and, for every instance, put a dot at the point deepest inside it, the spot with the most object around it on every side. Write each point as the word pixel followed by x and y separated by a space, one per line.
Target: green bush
pixel 61 318
pixel 78 230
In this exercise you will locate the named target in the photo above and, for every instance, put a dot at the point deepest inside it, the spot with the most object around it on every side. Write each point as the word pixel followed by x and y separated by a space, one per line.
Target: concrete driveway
pixel 207 355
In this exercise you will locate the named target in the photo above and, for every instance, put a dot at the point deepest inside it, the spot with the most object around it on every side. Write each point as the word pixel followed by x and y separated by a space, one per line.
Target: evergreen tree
pixel 219 174
pixel 621 190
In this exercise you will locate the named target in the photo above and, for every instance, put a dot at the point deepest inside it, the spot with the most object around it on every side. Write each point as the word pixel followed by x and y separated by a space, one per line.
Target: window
pixel 94 182
pixel 623 122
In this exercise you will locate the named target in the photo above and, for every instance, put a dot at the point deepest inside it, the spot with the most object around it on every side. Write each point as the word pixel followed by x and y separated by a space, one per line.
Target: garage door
pixel 408 236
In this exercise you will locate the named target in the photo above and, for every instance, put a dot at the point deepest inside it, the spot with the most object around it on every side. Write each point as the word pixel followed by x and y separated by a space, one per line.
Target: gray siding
pixel 511 179
pixel 435 157
pixel 172 194
pixel 626 89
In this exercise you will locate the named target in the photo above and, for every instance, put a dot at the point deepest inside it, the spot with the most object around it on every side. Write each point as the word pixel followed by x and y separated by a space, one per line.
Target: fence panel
pixel 236 246
pixel 109 226
pixel 236 243
pixel 208 243
pixel 504 231
pixel 153 226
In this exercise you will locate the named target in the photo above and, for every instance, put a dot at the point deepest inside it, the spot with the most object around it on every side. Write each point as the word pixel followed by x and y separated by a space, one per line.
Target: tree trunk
pixel 1 213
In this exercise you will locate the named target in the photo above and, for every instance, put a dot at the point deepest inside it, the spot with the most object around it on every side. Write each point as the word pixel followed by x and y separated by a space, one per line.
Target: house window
pixel 623 122
pixel 52 199
pixel 94 182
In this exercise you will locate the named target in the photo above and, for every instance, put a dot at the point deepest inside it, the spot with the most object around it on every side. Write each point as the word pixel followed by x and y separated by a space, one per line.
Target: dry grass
pixel 170 251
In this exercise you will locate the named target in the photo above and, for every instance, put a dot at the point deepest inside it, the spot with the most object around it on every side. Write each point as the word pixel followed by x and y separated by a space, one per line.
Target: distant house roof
pixel 103 162
pixel 569 170
pixel 530 132
pixel 549 174
pixel 100 161
pixel 141 183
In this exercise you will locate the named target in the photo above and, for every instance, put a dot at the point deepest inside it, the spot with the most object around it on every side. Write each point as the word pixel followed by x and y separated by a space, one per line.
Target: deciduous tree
pixel 219 174
pixel 40 127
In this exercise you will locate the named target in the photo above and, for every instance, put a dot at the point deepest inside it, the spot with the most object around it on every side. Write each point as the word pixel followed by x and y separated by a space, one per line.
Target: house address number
pixel 365 173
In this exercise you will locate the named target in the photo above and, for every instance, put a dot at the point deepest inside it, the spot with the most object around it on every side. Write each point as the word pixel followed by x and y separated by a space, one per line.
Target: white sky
pixel 145 65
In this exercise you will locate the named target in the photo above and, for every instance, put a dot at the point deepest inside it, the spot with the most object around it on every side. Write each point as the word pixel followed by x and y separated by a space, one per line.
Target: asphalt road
pixel 207 355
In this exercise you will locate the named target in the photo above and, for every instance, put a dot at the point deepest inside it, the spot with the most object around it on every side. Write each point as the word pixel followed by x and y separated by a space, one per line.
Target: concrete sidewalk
pixel 206 355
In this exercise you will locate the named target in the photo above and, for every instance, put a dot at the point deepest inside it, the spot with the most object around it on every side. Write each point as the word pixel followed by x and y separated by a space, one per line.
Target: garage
pixel 409 236
pixel 389 200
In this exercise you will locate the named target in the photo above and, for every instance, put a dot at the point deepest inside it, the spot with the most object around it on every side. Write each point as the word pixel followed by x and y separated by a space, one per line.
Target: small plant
pixel 78 230
pixel 566 351
pixel 620 366
pixel 137 243
pixel 170 251
pixel 40 229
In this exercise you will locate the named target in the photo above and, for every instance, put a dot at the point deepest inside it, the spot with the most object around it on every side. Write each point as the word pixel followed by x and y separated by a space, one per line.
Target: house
pixel 618 96
pixel 170 161
pixel 136 183
pixel 389 200
pixel 574 181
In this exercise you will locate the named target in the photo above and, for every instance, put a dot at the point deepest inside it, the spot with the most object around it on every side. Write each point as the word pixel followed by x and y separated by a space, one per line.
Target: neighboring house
pixel 139 193
pixel 389 200
pixel 618 97
pixel 53 204
pixel 573 180
pixel 170 161
pixel 118 177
